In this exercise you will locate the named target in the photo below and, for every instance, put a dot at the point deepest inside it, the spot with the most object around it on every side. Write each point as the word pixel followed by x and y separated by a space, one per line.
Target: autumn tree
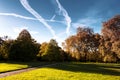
pixel 111 36
pixel 93 48
pixel 68 46
pixel 83 41
pixel 84 45
pixel 111 29
pixel 105 50
pixel 116 48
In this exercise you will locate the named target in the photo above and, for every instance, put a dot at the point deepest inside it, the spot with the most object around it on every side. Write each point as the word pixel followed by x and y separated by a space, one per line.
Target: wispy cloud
pixel 67 17
pixel 17 15
pixel 92 22
pixel 86 22
pixel 38 16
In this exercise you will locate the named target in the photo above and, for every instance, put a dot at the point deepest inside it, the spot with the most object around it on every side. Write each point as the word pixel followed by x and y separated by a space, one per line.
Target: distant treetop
pixel 24 35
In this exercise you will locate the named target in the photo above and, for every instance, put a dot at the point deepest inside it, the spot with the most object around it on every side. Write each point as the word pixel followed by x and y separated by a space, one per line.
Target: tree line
pixel 25 48
pixel 85 45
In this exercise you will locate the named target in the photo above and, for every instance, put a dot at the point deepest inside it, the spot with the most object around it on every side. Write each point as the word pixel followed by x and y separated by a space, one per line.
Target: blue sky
pixel 46 19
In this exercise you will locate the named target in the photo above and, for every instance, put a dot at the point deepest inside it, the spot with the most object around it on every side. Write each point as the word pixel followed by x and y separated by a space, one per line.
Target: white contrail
pixel 53 20
pixel 28 18
pixel 39 17
pixel 17 15
pixel 53 17
pixel 65 14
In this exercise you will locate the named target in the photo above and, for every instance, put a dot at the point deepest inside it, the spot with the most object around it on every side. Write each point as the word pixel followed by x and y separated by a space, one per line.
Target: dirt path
pixel 22 70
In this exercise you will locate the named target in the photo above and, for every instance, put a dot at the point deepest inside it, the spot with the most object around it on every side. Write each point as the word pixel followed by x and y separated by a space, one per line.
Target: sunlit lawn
pixel 72 71
pixel 10 66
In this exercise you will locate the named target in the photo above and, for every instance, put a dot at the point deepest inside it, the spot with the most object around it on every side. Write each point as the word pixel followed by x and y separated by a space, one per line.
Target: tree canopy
pixel 24 48
pixel 85 45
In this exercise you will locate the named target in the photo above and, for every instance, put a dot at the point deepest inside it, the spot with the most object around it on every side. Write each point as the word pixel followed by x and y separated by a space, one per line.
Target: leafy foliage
pixel 88 46
pixel 85 45
pixel 24 48
pixel 51 52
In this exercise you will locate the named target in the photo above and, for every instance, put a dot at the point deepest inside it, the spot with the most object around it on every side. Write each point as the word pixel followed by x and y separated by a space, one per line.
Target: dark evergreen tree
pixel 24 48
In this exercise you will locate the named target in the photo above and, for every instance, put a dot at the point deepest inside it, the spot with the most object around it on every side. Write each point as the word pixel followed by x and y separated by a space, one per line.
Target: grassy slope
pixel 10 66
pixel 72 71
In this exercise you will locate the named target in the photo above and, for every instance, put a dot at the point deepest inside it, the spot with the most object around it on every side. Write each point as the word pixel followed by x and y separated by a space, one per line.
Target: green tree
pixel 52 52
pixel 42 50
pixel 3 52
pixel 1 41
pixel 4 48
pixel 24 48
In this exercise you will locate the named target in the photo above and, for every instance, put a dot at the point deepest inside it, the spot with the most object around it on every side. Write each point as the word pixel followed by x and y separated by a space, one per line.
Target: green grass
pixel 72 71
pixel 11 66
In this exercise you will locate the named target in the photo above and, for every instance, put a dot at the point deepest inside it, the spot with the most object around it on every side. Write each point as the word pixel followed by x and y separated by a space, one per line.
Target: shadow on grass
pixel 97 68
pixel 30 64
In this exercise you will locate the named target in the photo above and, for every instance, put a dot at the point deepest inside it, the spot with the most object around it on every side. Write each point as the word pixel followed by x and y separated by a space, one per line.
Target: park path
pixel 22 70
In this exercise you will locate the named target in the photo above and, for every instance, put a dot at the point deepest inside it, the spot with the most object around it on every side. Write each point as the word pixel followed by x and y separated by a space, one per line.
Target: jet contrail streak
pixel 38 16
pixel 67 17
pixel 17 15
pixel 29 18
